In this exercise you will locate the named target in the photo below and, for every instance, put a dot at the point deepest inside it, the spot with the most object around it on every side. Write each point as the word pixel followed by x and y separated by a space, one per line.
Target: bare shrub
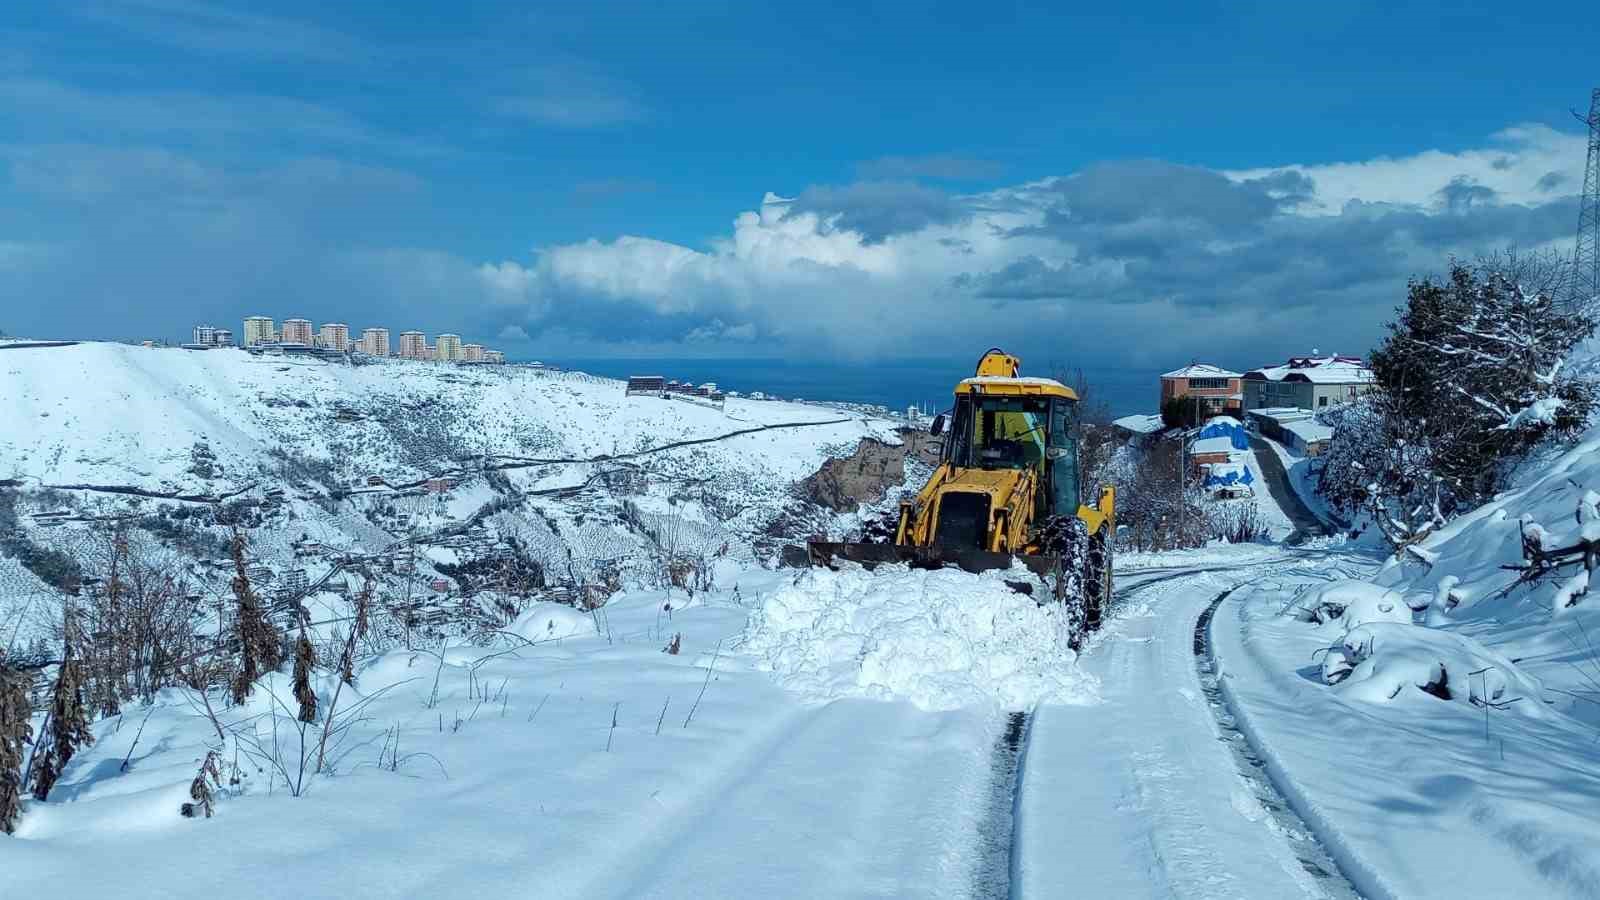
pixel 69 720
pixel 200 789
pixel 16 730
pixel 136 620
pixel 260 642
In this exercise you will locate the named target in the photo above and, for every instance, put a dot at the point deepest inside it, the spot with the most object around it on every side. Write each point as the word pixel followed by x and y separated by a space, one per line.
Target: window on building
pixel 1322 401
pixel 1208 384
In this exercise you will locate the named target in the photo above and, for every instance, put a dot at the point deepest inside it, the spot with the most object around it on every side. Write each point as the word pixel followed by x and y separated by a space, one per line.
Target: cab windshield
pixel 1000 432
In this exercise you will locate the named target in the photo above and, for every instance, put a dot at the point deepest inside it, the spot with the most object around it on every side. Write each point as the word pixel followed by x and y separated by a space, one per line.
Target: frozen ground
pixel 824 779
pixel 821 734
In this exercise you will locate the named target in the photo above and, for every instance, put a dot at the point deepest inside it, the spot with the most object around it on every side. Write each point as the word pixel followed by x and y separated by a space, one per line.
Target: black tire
pixel 1075 586
pixel 1097 582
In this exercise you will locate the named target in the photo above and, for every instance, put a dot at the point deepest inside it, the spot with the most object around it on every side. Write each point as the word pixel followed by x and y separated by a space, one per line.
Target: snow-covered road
pixel 854 798
pixel 1137 796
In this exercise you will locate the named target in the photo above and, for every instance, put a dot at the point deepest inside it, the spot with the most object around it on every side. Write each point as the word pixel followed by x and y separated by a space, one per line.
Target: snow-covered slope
pixel 408 470
pixel 116 414
pixel 1438 717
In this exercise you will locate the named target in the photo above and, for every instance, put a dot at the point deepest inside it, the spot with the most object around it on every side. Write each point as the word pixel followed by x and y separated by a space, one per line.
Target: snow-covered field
pixel 1254 721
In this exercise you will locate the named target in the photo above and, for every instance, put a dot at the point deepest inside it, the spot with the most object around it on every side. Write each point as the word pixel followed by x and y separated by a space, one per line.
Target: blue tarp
pixel 1228 428
pixel 1225 475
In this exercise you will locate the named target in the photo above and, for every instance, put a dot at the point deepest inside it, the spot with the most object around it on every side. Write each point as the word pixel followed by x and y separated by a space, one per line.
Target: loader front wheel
pixel 1097 582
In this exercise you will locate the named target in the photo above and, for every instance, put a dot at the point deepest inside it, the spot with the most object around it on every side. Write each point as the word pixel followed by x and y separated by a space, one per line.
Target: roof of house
pixel 1200 370
pixel 1281 414
pixel 1317 370
pixel 1140 424
pixel 1309 431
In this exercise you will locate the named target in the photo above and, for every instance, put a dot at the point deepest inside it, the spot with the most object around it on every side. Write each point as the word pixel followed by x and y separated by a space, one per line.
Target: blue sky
pixel 1114 187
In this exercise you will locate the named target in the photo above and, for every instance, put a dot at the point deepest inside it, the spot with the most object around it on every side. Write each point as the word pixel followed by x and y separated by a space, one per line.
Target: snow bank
pixel 1377 662
pixel 941 639
pixel 1350 603
pixel 551 622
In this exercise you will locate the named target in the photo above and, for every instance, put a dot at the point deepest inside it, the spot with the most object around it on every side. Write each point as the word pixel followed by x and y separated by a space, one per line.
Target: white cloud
pixel 1515 164
pixel 1078 266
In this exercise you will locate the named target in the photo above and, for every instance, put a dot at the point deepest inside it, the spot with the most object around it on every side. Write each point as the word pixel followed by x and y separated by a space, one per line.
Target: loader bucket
pixel 822 553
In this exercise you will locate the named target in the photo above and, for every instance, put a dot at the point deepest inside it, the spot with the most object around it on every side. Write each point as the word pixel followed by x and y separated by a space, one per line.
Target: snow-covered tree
pixel 69 718
pixel 1471 376
pixel 1480 358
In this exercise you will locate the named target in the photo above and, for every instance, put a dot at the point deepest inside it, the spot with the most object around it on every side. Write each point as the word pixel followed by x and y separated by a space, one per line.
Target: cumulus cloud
pixel 1130 263
pixel 1118 262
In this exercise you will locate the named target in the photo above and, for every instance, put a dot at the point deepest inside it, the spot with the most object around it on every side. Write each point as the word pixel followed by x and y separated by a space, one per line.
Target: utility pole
pixel 1586 259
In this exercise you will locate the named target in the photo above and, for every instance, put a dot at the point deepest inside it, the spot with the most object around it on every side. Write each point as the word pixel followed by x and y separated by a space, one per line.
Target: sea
pixel 896 384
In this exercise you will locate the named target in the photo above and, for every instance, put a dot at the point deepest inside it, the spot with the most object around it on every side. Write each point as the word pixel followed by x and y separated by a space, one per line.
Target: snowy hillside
pixel 409 472
pixel 1444 705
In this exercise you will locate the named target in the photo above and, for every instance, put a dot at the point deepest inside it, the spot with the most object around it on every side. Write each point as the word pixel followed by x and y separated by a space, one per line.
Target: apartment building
pixel 375 341
pixel 335 336
pixel 447 348
pixel 472 353
pixel 259 330
pixel 413 345
pixel 298 331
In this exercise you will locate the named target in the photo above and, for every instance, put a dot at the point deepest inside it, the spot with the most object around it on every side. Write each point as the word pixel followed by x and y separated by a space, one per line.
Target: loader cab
pixel 1010 423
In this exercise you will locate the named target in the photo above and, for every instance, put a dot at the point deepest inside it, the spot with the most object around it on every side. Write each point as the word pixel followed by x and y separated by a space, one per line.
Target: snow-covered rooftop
pixel 1316 369
pixel 1140 424
pixel 1200 370
pixel 1281 414
pixel 1309 431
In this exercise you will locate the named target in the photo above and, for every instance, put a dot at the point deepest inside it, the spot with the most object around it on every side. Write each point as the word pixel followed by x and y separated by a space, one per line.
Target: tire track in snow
pixel 995 870
pixel 1313 857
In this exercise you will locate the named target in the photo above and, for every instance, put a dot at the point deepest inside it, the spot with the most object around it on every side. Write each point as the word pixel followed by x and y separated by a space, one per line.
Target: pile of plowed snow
pixel 940 639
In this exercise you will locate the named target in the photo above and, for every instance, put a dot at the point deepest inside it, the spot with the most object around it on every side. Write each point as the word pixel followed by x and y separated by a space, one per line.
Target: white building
pixel 375 341
pixel 205 335
pixel 447 348
pixel 494 356
pixel 472 353
pixel 259 330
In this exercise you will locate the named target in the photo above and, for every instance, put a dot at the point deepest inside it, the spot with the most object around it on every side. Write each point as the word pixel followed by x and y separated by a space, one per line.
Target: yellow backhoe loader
pixel 1006 490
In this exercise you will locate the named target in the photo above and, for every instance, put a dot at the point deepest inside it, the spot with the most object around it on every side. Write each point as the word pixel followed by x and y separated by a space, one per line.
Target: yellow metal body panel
pixel 999 363
pixel 1012 492
pixel 1014 387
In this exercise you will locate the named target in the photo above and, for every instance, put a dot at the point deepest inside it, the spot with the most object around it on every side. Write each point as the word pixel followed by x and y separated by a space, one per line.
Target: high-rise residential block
pixel 413 345
pixel 297 331
pixel 335 336
pixel 472 353
pixel 375 341
pixel 258 330
pixel 448 348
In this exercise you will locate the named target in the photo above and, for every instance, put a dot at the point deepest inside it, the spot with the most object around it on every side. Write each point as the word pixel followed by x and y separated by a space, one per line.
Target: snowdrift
pixel 940 639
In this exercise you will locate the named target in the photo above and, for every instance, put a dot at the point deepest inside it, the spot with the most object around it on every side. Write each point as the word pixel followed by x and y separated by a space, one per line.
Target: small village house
pixel 1307 382
pixel 1214 390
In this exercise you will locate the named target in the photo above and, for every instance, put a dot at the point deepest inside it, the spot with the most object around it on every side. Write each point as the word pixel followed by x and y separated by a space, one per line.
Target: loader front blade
pixel 824 553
